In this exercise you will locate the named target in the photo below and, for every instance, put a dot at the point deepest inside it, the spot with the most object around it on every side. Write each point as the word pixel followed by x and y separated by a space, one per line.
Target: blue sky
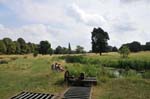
pixel 61 22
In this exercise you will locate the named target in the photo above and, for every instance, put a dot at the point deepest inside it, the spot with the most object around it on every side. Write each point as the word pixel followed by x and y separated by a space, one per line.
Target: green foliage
pixel 12 48
pixel 61 50
pixel 50 51
pixel 99 40
pixel 3 48
pixel 74 59
pixel 22 44
pixel 76 69
pixel 79 49
pixel 133 46
pixel 7 42
pixel 124 51
pixel 147 46
pixel 44 47
pixel 18 49
pixel 31 47
pixel 134 64
pixel 114 49
pixel 35 54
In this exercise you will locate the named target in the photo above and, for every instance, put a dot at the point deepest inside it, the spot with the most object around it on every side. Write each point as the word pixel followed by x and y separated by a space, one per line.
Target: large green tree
pixel 18 50
pixel 44 47
pixel 23 46
pixel 134 46
pixel 12 48
pixel 8 43
pixel 58 50
pixel 99 40
pixel 3 48
pixel 147 46
pixel 31 46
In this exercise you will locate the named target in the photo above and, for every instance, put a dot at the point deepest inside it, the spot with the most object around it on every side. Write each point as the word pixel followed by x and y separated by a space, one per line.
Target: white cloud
pixel 90 19
pixel 66 21
pixel 37 32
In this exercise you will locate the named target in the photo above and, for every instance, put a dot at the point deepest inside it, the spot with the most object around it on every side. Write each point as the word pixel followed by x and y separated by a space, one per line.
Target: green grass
pixel 28 73
pixel 137 61
pixel 122 89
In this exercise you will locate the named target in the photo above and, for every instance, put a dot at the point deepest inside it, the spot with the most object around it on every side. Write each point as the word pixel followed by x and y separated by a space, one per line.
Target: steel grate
pixel 31 95
pixel 78 93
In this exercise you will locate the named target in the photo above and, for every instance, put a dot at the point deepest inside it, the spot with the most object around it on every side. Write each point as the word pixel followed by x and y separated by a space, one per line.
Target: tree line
pixel 20 46
pixel 99 43
pixel 136 46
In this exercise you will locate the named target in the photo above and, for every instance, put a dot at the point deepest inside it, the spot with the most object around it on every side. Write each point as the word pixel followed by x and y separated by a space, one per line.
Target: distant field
pixel 26 73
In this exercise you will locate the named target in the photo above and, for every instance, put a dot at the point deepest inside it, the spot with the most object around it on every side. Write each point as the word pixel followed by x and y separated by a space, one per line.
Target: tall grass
pixel 88 70
pixel 136 64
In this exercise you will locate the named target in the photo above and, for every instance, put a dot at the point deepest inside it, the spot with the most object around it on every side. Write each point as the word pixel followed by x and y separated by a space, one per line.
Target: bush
pixel 124 51
pixel 35 54
pixel 89 70
pixel 75 59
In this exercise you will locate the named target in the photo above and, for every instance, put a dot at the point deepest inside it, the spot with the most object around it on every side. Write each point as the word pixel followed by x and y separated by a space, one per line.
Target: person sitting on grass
pixel 57 67
pixel 53 67
pixel 60 68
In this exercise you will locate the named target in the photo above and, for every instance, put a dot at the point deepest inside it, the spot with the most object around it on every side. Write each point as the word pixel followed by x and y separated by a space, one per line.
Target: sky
pixel 64 21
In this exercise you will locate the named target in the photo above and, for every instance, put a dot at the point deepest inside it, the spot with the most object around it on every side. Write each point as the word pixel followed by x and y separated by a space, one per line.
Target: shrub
pixel 35 54
pixel 124 51
pixel 75 59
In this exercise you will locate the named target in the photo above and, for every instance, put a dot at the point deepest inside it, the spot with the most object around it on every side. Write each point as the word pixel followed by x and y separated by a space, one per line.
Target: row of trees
pixel 136 46
pixel 8 46
pixel 63 50
pixel 99 44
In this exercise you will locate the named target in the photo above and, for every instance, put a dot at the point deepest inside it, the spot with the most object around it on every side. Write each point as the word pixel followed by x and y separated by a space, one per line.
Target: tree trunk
pixel 100 53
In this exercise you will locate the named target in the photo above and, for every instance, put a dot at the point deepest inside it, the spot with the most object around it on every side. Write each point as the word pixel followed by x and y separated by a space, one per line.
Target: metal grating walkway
pixel 30 95
pixel 78 93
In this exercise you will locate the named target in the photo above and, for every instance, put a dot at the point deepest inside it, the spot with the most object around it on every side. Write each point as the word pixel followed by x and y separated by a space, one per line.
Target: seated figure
pixel 81 76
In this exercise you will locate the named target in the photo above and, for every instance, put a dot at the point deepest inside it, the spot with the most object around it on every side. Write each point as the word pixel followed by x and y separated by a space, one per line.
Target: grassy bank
pixel 122 89
pixel 27 73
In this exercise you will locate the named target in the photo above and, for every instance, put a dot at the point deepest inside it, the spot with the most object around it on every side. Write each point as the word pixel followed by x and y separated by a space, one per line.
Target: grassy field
pixel 27 73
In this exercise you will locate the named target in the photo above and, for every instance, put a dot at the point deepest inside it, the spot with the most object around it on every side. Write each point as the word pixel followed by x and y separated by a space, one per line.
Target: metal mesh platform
pixel 78 93
pixel 30 95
